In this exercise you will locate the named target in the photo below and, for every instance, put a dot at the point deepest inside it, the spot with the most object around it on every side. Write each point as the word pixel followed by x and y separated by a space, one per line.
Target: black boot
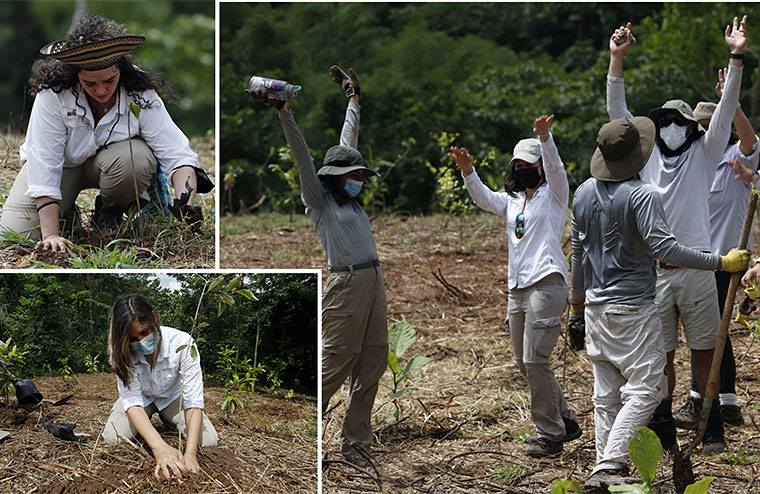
pixel 714 440
pixel 108 218
pixel 664 426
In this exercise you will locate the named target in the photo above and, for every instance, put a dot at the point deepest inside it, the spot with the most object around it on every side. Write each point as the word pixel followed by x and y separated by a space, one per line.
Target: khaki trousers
pixel 171 416
pixel 109 170
pixel 354 345
pixel 535 314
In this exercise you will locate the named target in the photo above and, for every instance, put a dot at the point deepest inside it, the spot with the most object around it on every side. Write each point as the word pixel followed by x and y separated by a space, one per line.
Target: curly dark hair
pixel 331 186
pixel 49 73
pixel 512 186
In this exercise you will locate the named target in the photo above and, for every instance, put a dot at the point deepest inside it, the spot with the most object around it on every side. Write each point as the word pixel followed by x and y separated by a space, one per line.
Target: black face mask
pixel 528 177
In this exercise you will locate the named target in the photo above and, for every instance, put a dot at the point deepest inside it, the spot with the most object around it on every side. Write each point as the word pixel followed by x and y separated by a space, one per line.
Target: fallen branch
pixel 326 463
pixel 448 286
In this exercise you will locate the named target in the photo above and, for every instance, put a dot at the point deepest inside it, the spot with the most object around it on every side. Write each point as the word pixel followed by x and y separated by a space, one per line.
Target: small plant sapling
pixel 566 487
pixel 401 336
pixel 65 369
pixel 12 361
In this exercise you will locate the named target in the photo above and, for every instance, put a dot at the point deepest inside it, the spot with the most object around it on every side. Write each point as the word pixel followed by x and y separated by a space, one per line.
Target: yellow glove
pixel 736 260
pixel 741 318
pixel 752 290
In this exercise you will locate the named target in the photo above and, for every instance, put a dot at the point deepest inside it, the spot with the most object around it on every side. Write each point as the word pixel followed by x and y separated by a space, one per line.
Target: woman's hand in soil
pixel 168 458
pixel 462 158
pixel 53 243
pixel 191 463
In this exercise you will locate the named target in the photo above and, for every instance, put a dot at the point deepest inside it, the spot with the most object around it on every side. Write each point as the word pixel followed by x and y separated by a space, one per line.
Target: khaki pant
pixel 354 345
pixel 109 170
pixel 535 315
pixel 172 417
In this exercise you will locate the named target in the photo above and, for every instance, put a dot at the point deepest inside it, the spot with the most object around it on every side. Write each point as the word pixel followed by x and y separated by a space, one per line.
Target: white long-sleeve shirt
pixel 164 384
pixel 539 252
pixel 62 134
pixel 684 181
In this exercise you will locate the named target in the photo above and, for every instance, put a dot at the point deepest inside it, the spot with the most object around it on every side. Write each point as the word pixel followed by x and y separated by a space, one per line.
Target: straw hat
pixel 94 55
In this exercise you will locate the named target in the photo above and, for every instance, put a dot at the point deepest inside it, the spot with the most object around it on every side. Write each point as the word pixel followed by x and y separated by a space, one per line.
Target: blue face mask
pixel 352 187
pixel 146 346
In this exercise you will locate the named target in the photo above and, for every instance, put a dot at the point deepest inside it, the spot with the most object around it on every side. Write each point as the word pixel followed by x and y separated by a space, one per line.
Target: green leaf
pixel 247 294
pixel 393 362
pixel 401 336
pixel 416 363
pixel 646 451
pixel 221 307
pixel 699 487
pixel 135 109
pixel 630 489
pixel 232 285
pixel 201 325
pixel 227 299
pixel 193 352
pixel 216 284
pixel 224 405
pixel 565 486
pixel 180 348
pixel 398 394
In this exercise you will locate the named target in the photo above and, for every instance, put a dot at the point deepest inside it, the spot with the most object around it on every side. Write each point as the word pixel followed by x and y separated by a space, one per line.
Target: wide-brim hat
pixel 623 148
pixel 340 160
pixel 94 55
pixel 704 111
pixel 678 105
pixel 527 150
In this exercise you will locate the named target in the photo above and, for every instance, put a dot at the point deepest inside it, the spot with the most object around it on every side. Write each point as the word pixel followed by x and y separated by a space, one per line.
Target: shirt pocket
pixel 80 139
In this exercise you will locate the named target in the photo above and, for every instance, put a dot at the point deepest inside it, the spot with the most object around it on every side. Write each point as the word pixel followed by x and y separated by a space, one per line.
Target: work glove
pixel 261 96
pixel 192 215
pixel 735 261
pixel 350 83
pixel 576 326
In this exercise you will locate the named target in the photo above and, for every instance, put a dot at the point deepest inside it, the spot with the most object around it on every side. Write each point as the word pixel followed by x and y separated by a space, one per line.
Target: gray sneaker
pixel 687 417
pixel 544 448
pixel 601 480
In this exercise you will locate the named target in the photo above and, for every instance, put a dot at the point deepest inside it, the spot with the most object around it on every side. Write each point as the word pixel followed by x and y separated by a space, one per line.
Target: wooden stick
pixel 711 391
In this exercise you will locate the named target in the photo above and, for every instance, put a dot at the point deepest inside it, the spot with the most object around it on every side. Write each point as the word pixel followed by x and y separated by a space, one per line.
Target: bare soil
pixel 462 427
pixel 158 244
pixel 269 446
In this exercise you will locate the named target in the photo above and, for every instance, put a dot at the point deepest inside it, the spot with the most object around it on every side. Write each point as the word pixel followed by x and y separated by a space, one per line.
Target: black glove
pixel 576 327
pixel 262 96
pixel 192 215
pixel 350 82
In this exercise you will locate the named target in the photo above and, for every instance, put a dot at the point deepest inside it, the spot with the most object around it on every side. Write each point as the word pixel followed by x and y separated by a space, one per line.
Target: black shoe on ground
pixel 732 415
pixel 107 218
pixel 601 480
pixel 544 448
pixel 687 417
pixel 713 447
pixel 572 431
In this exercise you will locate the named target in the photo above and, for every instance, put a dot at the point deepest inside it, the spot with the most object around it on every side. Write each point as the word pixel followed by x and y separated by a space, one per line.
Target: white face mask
pixel 673 136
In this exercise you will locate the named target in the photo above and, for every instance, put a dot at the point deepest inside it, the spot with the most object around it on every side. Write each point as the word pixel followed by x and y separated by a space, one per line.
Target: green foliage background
pixel 55 316
pixel 483 71
pixel 179 45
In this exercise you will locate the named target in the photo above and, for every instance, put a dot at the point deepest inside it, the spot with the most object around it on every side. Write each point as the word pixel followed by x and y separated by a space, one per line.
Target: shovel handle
pixel 711 392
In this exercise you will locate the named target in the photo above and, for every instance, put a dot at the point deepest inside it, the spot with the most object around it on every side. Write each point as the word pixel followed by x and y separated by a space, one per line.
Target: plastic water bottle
pixel 276 89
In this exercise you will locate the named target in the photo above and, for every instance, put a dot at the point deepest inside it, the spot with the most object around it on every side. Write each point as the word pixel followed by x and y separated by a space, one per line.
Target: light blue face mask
pixel 146 346
pixel 352 187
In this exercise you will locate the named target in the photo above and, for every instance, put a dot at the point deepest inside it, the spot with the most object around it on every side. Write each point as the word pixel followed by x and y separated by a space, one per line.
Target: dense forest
pixel 179 45
pixel 61 321
pixel 436 74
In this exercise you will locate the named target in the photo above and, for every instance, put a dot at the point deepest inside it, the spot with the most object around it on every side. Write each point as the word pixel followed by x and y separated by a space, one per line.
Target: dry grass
pixel 471 400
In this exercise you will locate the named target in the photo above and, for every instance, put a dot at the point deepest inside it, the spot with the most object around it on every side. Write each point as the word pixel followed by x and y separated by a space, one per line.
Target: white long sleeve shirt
pixel 539 252
pixel 684 181
pixel 62 134
pixel 164 384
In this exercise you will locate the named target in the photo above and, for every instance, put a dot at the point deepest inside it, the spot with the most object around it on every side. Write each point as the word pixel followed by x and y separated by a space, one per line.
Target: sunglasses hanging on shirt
pixel 520 225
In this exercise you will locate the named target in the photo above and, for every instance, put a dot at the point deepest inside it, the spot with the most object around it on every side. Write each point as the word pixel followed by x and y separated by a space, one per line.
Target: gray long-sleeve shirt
pixel 344 231
pixel 618 228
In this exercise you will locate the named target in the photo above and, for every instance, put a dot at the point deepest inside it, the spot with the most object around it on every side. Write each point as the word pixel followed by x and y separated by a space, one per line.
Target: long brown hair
pixel 125 310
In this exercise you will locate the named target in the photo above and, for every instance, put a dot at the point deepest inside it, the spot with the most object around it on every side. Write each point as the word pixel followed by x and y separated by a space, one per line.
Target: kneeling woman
pixel 83 134
pixel 535 207
pixel 150 375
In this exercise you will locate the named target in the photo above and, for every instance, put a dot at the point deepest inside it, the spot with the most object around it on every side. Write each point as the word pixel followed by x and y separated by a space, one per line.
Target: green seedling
pixel 738 456
pixel 508 472
pixel 565 487
pixel 401 336
pixel 13 361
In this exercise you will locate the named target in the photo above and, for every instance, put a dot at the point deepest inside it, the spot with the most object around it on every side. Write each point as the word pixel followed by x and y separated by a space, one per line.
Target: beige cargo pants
pixel 109 170
pixel 354 345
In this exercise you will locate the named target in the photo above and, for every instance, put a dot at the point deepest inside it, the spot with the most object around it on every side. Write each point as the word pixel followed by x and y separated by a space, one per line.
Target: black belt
pixel 355 267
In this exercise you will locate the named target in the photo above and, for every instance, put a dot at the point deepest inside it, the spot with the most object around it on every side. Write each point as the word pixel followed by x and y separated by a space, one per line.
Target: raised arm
pixel 481 195
pixel 349 134
pixel 747 136
pixel 620 41
pixel 556 177
pixel 311 189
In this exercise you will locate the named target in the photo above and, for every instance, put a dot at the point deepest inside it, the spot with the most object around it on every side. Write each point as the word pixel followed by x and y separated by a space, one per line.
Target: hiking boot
pixel 357 460
pixel 544 448
pixel 107 218
pixel 687 417
pixel 601 480
pixel 711 448
pixel 572 431
pixel 732 415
